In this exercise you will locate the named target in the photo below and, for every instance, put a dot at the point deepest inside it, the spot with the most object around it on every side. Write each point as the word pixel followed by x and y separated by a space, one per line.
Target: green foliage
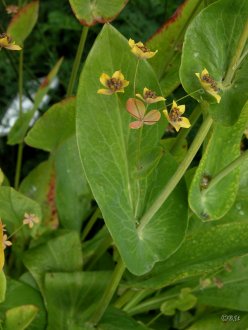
pixel 103 233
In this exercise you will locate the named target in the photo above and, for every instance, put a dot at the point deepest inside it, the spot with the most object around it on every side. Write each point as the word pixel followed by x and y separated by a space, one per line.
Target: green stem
pixel 235 60
pixel 139 296
pixel 135 77
pixel 91 223
pixel 178 174
pixel 124 298
pixel 20 146
pixel 19 228
pixel 154 319
pixel 77 60
pixel 184 132
pixel 228 169
pixel 108 294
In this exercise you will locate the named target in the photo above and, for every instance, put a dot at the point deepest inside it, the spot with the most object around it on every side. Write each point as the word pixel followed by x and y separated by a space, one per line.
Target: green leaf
pixel 202 251
pixel 168 41
pixel 73 196
pixel 19 130
pixel 100 11
pixel 13 206
pixel 1 177
pixel 62 253
pixel 234 289
pixel 73 297
pixel 106 146
pixel 212 42
pixel 19 294
pixel 23 22
pixel 214 202
pixel 54 127
pixel 19 318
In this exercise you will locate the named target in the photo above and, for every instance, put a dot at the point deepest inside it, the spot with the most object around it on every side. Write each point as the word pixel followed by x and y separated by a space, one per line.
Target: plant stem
pixel 184 132
pixel 235 60
pixel 101 249
pixel 91 223
pixel 20 146
pixel 108 294
pixel 154 319
pixel 124 298
pixel 178 174
pixel 77 60
pixel 135 77
pixel 226 170
pixel 139 296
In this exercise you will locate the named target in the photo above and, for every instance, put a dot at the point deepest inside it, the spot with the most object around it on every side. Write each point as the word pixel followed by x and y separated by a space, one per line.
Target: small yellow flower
pixel 174 117
pixel 140 50
pixel 150 96
pixel 116 84
pixel 6 242
pixel 209 84
pixel 6 42
pixel 30 220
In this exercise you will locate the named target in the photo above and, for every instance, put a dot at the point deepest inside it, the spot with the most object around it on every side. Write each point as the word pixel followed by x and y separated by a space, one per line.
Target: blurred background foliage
pixel 57 34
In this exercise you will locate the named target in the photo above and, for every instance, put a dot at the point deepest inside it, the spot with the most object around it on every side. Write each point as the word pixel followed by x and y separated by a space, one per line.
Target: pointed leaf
pixel 212 42
pixel 19 318
pixel 23 22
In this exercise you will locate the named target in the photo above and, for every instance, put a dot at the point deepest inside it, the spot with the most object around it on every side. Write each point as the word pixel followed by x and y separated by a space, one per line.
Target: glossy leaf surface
pixel 106 146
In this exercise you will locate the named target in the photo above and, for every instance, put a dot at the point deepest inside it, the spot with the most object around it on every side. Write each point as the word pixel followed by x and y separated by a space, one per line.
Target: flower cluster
pixel 137 107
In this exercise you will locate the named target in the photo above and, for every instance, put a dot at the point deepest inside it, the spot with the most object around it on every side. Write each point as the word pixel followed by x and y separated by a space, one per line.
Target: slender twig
pixel 177 176
pixel 77 60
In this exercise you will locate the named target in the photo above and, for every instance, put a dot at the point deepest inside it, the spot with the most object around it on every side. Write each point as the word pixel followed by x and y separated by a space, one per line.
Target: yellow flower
pixel 150 96
pixel 30 220
pixel 6 242
pixel 209 84
pixel 140 50
pixel 174 117
pixel 116 84
pixel 6 42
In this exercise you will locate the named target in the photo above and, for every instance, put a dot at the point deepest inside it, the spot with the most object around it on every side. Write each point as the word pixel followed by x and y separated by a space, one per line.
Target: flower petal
pixel 136 124
pixel 136 108
pixel 152 117
pixel 165 112
pixel 131 43
pixel 125 83
pixel 118 75
pixel 155 100
pixel 184 122
pixel 104 78
pixel 140 97
pixel 181 108
pixel 105 91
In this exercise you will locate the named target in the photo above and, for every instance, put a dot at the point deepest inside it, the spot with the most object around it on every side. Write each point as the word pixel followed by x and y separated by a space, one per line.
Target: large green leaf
pixel 168 41
pixel 73 196
pixel 19 294
pixel 19 130
pixel 13 206
pixel 23 22
pixel 62 253
pixel 212 42
pixel 73 297
pixel 109 151
pixel 202 251
pixel 54 127
pixel 100 11
pixel 223 147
